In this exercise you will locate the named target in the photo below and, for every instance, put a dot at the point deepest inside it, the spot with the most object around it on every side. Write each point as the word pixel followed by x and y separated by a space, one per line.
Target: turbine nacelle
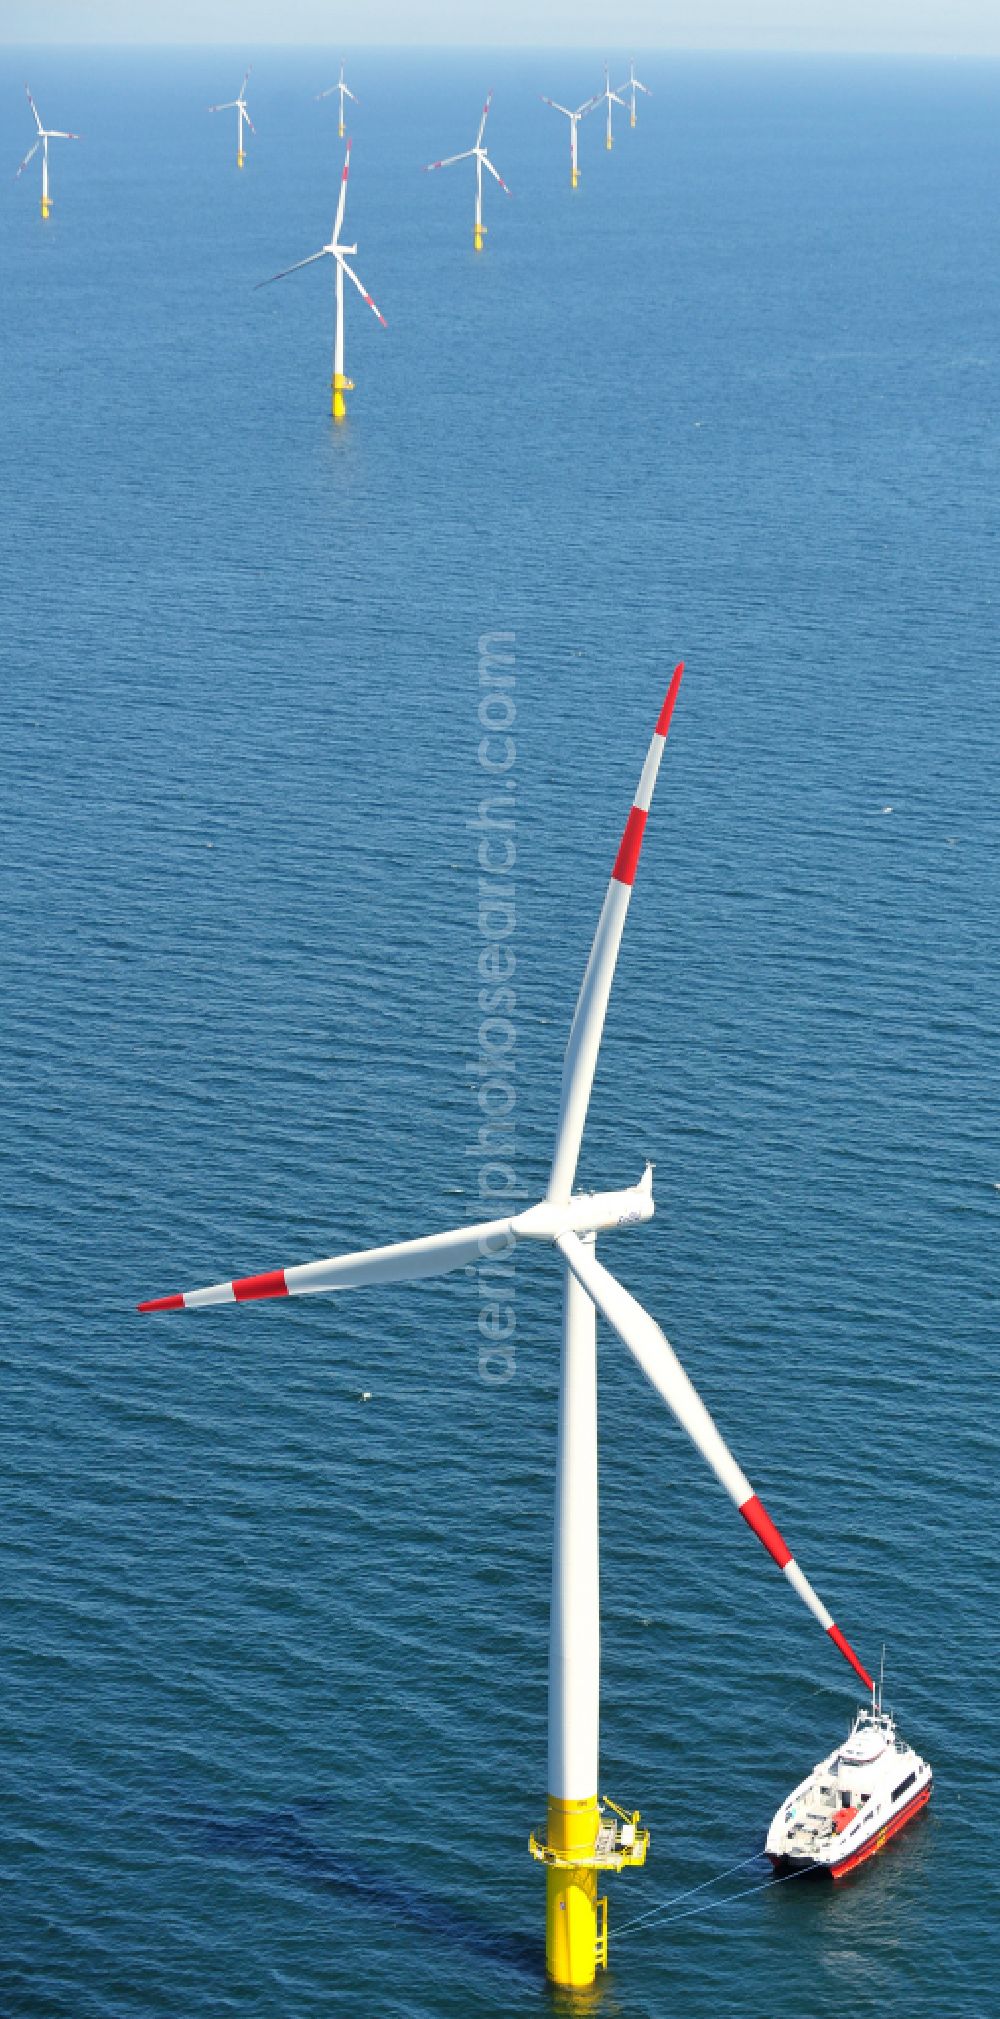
pixel 587 1213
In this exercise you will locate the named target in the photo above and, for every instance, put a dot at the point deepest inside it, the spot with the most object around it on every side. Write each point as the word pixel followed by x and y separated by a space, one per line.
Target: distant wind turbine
pixel 632 85
pixel 482 161
pixel 342 88
pixel 574 122
pixel 45 134
pixel 239 106
pixel 337 252
pixel 612 99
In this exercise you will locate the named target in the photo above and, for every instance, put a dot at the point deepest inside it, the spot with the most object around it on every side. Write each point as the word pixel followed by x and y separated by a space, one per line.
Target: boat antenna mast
pixel 881 1679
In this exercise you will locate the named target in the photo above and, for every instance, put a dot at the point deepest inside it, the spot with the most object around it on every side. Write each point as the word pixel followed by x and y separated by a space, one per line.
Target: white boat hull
pixel 852 1804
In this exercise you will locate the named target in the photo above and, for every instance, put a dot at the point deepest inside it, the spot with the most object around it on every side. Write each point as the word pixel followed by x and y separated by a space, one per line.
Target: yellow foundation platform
pixel 339 385
pixel 582 1839
pixel 46 206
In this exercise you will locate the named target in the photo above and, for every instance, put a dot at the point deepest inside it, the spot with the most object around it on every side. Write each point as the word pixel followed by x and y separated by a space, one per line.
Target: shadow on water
pixel 284 1838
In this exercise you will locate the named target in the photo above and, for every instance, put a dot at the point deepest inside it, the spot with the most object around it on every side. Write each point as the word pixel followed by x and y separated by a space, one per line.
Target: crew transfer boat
pixel 853 1801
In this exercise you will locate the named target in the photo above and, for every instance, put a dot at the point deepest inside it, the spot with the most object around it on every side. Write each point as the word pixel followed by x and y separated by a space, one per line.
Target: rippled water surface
pixel 272 1715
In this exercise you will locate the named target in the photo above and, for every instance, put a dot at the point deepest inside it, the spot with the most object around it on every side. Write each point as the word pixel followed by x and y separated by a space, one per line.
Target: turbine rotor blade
pixel 482 123
pixel 34 109
pixel 658 1361
pixel 363 291
pixel 449 158
pixel 325 94
pixel 584 1040
pixel 286 270
pixel 249 122
pixel 342 199
pixel 402 1262
pixel 27 158
pixel 487 163
pixel 554 102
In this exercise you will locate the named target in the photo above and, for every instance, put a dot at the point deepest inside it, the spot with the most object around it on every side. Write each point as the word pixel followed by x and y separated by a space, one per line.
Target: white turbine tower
pixel 239 106
pixel 344 92
pixel 482 161
pixel 44 135
pixel 632 85
pixel 338 253
pixel 574 122
pixel 585 1834
pixel 612 98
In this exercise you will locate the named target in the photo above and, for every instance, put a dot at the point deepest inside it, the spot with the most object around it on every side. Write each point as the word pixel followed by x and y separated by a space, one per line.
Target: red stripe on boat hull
pixel 879 1840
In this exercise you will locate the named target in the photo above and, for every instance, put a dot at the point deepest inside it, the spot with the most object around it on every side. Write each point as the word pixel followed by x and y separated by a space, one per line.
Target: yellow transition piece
pixel 571 1893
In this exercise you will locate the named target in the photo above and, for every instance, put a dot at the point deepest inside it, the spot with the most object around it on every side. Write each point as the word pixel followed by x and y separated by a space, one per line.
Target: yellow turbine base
pixel 575 178
pixel 571 1903
pixel 46 206
pixel 339 385
pixel 632 120
pixel 607 143
pixel 340 130
pixel 478 235
pixel 240 159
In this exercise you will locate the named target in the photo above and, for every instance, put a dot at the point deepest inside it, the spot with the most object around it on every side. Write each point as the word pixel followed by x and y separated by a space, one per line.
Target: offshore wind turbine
pixel 632 85
pixel 339 384
pixel 612 98
pixel 239 106
pixel 44 135
pixel 344 93
pixel 482 160
pixel 574 121
pixel 585 1833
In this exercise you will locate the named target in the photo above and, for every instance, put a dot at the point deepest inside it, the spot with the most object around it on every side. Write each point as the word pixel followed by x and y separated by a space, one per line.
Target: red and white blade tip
pixel 756 1516
pixel 627 859
pixel 243 1291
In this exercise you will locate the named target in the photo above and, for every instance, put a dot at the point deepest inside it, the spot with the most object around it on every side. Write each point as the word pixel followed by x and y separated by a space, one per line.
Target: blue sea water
pixel 272 1681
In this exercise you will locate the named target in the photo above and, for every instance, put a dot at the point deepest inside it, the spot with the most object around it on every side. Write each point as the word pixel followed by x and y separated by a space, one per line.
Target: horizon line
pixel 922 52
